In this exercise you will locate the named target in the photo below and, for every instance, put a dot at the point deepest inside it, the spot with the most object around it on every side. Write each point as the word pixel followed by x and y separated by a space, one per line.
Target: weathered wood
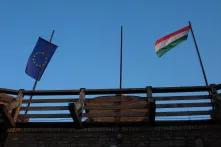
pixel 113 104
pixel 162 98
pixel 113 91
pixel 54 100
pixel 135 119
pixel 217 108
pixel 117 107
pixel 5 98
pixel 115 99
pixel 19 99
pixel 76 108
pixel 82 97
pixel 118 113
pixel 8 101
pixel 22 119
pixel 195 97
pixel 7 119
pixel 75 112
pixel 150 94
pixel 47 115
pixel 183 105
pixel 121 119
pixel 45 108
pixel 184 113
pixel 119 91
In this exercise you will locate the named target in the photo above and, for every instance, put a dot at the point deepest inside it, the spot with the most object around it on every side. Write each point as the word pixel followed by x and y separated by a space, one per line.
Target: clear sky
pixel 88 35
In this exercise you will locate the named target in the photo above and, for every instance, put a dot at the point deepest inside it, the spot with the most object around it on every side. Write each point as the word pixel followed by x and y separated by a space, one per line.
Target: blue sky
pixel 88 35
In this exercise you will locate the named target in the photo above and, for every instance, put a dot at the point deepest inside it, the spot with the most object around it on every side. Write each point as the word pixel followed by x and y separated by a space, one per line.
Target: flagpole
pixel 121 55
pixel 36 82
pixel 198 54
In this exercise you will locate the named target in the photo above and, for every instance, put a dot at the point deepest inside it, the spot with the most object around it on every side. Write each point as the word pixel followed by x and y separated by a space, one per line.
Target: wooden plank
pixel 117 107
pixel 113 91
pixel 69 100
pixel 181 105
pixel 119 91
pixel 134 119
pixel 66 100
pixel 109 104
pixel 184 113
pixel 50 100
pixel 199 97
pixel 118 98
pixel 121 119
pixel 121 113
pixel 96 107
pixel 46 115
pixel 46 108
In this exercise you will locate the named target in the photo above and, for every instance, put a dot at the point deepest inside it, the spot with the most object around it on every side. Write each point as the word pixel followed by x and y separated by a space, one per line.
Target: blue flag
pixel 39 58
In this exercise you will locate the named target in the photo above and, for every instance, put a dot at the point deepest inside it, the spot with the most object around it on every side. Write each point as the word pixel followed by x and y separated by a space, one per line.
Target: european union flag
pixel 39 58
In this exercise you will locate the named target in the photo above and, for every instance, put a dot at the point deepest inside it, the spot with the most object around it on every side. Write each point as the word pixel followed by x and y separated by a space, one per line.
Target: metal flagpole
pixel 121 56
pixel 198 54
pixel 201 64
pixel 36 82
pixel 119 136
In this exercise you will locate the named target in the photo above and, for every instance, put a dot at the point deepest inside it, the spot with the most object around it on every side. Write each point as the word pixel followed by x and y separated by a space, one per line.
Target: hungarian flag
pixel 167 42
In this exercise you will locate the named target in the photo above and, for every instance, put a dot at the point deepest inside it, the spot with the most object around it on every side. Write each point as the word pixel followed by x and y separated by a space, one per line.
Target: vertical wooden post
pixel 76 109
pixel 213 89
pixel 82 97
pixel 149 93
pixel 216 105
pixel 20 99
pixel 152 105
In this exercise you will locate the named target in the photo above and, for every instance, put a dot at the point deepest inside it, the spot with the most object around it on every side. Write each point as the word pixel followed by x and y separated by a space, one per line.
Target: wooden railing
pixel 188 105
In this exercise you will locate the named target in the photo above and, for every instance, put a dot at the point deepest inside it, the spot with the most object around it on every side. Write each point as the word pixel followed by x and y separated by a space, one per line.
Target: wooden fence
pixel 184 106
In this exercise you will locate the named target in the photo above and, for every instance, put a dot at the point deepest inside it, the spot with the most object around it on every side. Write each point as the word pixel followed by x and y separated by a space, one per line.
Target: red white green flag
pixel 167 42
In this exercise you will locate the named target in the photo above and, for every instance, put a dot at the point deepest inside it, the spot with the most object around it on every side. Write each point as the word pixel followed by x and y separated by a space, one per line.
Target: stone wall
pixel 143 136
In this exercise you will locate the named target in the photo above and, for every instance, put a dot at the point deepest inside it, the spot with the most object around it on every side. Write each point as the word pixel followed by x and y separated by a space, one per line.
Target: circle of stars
pixel 39 55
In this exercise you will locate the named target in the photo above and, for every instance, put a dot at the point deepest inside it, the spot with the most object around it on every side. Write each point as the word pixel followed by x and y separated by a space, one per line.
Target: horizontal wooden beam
pixel 134 114
pixel 194 97
pixel 121 119
pixel 116 107
pixel 123 104
pixel 51 100
pixel 118 91
pixel 182 105
pixel 120 113
pixel 47 115
pixel 184 113
pixel 114 91
pixel 45 108
pixel 161 98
